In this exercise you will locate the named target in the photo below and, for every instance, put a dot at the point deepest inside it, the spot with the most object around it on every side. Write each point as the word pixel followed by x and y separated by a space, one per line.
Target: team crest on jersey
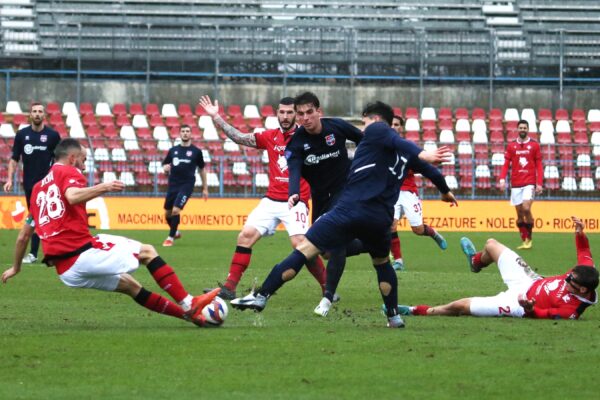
pixel 306 146
pixel 43 138
pixel 188 153
pixel 330 139
pixel 27 137
pixel 175 152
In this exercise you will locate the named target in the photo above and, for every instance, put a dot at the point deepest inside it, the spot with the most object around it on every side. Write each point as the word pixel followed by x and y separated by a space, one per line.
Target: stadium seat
pixel 89 120
pixel 155 120
pixel 479 113
pixel 463 136
pixel 173 122
pixel 109 176
pixel 511 114
pixel 495 114
pixel 428 114
pixel 561 115
pixel 569 183
pixel 72 119
pixel 155 167
pixel 251 111
pixel 119 109
pixel 127 178
pixel 451 182
pixel 267 111
pixel 528 114
pixel 264 157
pixel 13 107
pixel 579 126
pixel 86 108
pixel 206 155
pixel 53 107
pixel 428 125
pixel 231 147
pixel 578 115
pixel 430 145
pixel 547 137
pixel 446 124
pixel 544 114
pixel 152 109
pixel 461 113
pixel 463 125
pixel 586 184
pixel 93 132
pixel 56 119
pixel 261 180
pixel 103 110
pixel 168 110
pixel 213 179
pixel 234 110
pixel 593 115
pixel 205 121
pixel 271 122
pixel 184 109
pixel 160 133
pixel 584 160
pixel 446 137
pixel 479 125
pixel 480 137
pixel 70 108
pixel 428 135
pixel 412 124
pixel 7 131
pixel 546 127
pixel 563 126
pixel 101 154
pixel 140 121
pixel 77 132
pixel 131 144
pixel 122 119
pixel 595 139
pixel 210 133
pixel 136 109
pixel 465 149
pixel 413 136
pixel 445 114
pixel 562 138
pixel 118 154
pixel 411 112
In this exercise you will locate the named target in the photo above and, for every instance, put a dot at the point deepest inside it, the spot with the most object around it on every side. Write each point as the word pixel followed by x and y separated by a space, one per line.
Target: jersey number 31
pixel 50 204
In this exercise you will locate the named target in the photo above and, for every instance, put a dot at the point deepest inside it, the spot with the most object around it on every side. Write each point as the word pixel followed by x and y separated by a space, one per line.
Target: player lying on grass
pixel 364 210
pixel 528 295
pixel 103 262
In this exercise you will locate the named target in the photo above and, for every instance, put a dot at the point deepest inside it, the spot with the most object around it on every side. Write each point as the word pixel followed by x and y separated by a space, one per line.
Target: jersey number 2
pixel 50 204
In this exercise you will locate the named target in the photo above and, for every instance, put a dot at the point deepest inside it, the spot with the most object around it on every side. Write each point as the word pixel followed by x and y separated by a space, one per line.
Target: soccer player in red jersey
pixel 409 205
pixel 529 295
pixel 273 208
pixel 526 179
pixel 104 262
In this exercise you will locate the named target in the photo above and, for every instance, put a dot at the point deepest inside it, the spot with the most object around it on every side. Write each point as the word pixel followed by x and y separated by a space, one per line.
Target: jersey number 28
pixel 50 204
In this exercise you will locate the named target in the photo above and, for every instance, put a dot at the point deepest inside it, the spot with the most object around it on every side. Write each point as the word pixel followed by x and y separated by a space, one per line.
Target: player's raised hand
pixel 8 186
pixel 578 224
pixel 437 156
pixel 9 273
pixel 210 108
pixel 449 198
pixel 293 200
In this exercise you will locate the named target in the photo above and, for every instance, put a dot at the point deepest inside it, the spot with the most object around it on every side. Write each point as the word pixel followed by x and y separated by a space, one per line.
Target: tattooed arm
pixel 245 139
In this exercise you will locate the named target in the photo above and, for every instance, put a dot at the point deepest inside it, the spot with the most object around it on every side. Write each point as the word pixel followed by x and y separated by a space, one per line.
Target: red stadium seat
pixel 93 131
pixel 110 131
pixel 89 120
pixel 561 115
pixel 234 110
pixel 563 138
pixel 496 136
pixel 172 122
pixel 267 111
pixel 122 119
pixel 119 109
pixel 144 133
pixel 106 120
pixel 579 126
pixel 429 134
pixel 446 124
pixel 461 113
pixel 152 109
pixel 413 136
pixel 479 113
pixel 511 135
pixel 189 120
pixel 156 120
pixel 428 125
pixel 544 114
pixel 19 119
pixel 136 109
pixel 578 115
pixel 174 132
pixel 184 109
pixel 411 112
pixel 445 114
pixel 496 114
pixel 462 136
pixel 55 119
pixel 86 108
pixel 496 125
pixel 53 108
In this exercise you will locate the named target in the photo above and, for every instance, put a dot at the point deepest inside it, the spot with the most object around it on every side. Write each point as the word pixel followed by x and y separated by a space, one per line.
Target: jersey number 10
pixel 50 204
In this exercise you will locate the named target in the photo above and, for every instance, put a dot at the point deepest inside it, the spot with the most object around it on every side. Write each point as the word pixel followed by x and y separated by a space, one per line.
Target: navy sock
pixel 385 273
pixel 174 224
pixel 35 244
pixel 355 248
pixel 275 280
pixel 335 269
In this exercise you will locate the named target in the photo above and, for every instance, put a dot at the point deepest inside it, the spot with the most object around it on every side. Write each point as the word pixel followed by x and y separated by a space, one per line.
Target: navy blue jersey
pixel 380 164
pixel 36 149
pixel 184 161
pixel 321 159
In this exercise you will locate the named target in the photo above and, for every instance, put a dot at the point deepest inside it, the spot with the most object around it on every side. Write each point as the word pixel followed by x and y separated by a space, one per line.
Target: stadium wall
pixel 337 97
pixel 230 214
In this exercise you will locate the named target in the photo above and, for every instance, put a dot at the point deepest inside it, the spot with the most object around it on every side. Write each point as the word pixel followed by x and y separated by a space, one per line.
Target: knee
pixel 147 253
pixel 418 230
pixel 247 237
pixel 175 212
pixel 288 275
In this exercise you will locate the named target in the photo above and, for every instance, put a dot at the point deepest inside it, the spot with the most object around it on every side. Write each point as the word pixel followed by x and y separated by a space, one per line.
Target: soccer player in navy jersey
pixel 180 164
pixel 317 152
pixel 34 145
pixel 364 210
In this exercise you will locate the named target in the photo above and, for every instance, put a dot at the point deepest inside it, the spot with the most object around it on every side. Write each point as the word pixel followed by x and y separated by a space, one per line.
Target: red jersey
pixel 552 298
pixel 62 227
pixel 409 184
pixel 274 142
pixel 526 160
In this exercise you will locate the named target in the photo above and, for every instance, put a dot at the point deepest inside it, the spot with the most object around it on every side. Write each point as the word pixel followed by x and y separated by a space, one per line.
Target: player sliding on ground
pixel 528 295
pixel 103 262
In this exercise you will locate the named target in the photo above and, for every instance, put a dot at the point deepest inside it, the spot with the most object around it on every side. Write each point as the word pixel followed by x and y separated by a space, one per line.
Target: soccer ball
pixel 215 312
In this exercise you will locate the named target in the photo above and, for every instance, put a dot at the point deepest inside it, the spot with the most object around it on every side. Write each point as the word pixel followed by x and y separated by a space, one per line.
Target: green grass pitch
pixel 60 343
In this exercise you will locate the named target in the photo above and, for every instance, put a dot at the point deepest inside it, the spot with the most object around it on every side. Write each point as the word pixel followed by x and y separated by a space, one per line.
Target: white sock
pixel 170 238
pixel 186 303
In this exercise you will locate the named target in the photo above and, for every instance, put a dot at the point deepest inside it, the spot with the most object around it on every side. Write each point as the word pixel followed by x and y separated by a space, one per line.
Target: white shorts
pixel 409 205
pixel 518 276
pixel 102 268
pixel 269 214
pixel 519 195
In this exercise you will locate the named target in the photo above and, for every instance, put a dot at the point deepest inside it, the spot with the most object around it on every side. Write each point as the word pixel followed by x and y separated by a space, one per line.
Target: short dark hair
pixel 307 98
pixel 35 103
pixel 184 126
pixel 286 101
pixel 523 121
pixel 64 147
pixel 381 109
pixel 586 276
pixel 399 118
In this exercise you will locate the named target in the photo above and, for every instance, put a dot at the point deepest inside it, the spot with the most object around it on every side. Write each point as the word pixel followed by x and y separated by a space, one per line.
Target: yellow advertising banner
pixel 230 214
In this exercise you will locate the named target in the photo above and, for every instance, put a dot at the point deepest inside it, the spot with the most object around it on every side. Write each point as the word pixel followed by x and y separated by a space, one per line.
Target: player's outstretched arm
pixel 81 195
pixel 439 155
pixel 245 139
pixel 449 198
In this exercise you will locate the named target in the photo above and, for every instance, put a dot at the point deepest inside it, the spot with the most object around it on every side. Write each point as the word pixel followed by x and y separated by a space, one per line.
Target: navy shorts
pixel 323 204
pixel 341 225
pixel 177 199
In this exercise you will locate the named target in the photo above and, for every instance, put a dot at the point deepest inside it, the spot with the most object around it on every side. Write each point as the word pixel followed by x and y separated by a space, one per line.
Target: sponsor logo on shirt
pixel 312 159
pixel 282 163
pixel 28 149
pixel 177 161
pixel 330 139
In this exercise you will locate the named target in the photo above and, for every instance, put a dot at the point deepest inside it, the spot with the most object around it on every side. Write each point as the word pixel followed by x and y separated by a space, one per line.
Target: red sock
pixel 396 250
pixel 157 303
pixel 239 264
pixel 421 309
pixel 522 230
pixel 529 230
pixel 428 231
pixel 167 279
pixel 317 269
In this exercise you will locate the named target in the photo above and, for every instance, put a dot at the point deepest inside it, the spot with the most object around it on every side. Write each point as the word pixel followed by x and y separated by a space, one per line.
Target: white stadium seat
pixel 271 122
pixel 169 110
pixel 140 121
pixel 210 133
pixel 109 176
pixel 118 155
pixel 160 133
pixel 127 178
pixel 547 137
pixel 6 130
pixel 551 171
pixel 593 115
pixel 465 148
pixel 563 126
pixel 569 183
pixel 13 107
pixel 546 126
pixel 479 125
pixel 206 155
pixel 101 154
pixel 131 144
pixel 230 145
pixel 446 136
pixel 412 124
pixel 240 168
pixel 586 184
pixel 205 121
pixel 155 167
pixel 511 114
pixel 463 125
pixel 76 131
pixel 261 180
pixel 127 132
pixel 70 108
pixel 498 159
pixel 164 145
pixel 213 179
pixel 428 114
pixel 251 111
pixel 103 110
pixel 451 182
